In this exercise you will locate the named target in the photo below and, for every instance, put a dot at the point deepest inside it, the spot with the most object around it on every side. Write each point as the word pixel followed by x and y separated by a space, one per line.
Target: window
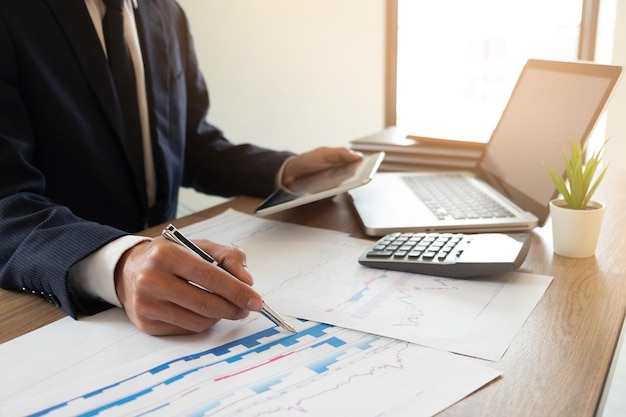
pixel 457 61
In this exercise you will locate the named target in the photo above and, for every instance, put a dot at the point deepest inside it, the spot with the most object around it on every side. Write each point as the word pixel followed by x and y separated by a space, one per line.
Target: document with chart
pixel 313 274
pixel 102 365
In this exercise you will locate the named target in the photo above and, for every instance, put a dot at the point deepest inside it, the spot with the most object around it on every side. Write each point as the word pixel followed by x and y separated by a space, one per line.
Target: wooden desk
pixel 558 362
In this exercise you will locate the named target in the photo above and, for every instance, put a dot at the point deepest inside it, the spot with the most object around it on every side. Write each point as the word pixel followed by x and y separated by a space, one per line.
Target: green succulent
pixel 578 185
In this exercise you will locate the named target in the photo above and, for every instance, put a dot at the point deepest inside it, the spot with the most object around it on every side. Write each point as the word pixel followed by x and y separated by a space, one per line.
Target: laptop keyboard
pixel 455 197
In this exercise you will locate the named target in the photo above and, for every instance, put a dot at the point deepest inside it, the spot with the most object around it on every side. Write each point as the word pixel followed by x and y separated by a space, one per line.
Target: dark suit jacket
pixel 68 183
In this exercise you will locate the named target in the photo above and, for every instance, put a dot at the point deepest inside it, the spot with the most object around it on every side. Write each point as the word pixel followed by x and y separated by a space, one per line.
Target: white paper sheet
pixel 313 274
pixel 103 365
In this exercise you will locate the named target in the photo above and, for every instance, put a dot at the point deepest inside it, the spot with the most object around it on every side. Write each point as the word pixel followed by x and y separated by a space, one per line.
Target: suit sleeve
pixel 40 240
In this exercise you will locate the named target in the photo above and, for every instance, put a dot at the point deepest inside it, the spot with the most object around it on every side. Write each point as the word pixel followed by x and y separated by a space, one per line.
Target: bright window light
pixel 458 60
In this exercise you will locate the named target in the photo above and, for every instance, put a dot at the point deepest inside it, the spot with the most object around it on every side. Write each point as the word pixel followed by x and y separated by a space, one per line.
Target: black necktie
pixel 125 82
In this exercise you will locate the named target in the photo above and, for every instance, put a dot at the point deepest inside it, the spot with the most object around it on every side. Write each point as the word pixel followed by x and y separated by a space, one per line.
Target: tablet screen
pixel 323 184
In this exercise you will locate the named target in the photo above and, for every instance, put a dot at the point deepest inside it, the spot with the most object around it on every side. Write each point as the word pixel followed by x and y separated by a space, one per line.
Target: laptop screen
pixel 551 103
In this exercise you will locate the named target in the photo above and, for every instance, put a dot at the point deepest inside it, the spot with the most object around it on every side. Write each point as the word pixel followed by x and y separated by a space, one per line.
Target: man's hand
pixel 152 280
pixel 317 160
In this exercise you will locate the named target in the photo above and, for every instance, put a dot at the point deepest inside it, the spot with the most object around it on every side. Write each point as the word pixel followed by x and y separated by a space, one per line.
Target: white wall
pixel 611 48
pixel 291 74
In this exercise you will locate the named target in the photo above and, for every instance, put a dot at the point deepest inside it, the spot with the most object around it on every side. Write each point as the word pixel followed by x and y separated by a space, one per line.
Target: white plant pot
pixel 575 232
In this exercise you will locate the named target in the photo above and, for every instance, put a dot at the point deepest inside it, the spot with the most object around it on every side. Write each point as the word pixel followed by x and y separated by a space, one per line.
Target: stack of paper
pixel 408 152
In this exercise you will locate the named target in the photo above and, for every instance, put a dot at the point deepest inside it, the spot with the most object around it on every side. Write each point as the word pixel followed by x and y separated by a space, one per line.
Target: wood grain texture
pixel 558 362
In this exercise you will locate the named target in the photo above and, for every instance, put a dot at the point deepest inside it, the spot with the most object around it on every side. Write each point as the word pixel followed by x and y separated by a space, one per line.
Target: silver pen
pixel 173 234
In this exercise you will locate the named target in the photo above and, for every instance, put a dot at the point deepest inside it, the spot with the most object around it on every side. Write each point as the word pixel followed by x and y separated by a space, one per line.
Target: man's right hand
pixel 152 281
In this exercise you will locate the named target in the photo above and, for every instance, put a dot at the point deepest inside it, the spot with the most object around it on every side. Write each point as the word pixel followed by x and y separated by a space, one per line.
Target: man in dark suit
pixel 74 186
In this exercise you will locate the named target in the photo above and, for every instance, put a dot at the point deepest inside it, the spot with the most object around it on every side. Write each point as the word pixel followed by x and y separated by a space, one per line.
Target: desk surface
pixel 557 364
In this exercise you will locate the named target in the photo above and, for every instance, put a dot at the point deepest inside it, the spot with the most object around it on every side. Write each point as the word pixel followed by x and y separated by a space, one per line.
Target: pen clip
pixel 172 234
pixel 168 233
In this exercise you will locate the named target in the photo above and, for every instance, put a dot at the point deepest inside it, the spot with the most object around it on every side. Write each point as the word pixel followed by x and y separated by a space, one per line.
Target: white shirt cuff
pixel 279 176
pixel 93 277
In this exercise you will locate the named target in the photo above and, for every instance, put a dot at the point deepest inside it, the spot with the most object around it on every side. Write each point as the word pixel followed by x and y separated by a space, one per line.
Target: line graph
pixel 279 374
pixel 318 278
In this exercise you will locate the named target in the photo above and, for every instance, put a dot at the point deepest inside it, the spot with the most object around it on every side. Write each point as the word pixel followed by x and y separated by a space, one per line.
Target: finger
pixel 191 268
pixel 166 304
pixel 335 156
pixel 344 155
pixel 184 326
pixel 202 303
pixel 317 160
pixel 230 258
pixel 170 318
pixel 160 328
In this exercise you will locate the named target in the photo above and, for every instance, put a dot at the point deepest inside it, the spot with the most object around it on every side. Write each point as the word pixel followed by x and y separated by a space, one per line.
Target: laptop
pixel 551 103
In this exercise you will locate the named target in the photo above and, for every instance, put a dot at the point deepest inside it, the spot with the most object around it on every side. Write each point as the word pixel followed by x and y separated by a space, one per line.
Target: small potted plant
pixel 576 218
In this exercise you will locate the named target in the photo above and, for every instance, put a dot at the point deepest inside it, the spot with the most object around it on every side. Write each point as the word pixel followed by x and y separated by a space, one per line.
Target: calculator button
pixel 429 255
pixel 379 254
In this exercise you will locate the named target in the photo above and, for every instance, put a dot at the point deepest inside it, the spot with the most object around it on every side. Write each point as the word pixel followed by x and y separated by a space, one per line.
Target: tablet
pixel 323 184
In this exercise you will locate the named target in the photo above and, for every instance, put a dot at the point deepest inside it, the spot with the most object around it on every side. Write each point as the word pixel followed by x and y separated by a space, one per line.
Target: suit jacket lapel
pixel 76 22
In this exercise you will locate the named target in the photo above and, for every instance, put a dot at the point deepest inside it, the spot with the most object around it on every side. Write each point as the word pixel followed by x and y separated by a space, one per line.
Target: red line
pixel 254 367
pixel 189 392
